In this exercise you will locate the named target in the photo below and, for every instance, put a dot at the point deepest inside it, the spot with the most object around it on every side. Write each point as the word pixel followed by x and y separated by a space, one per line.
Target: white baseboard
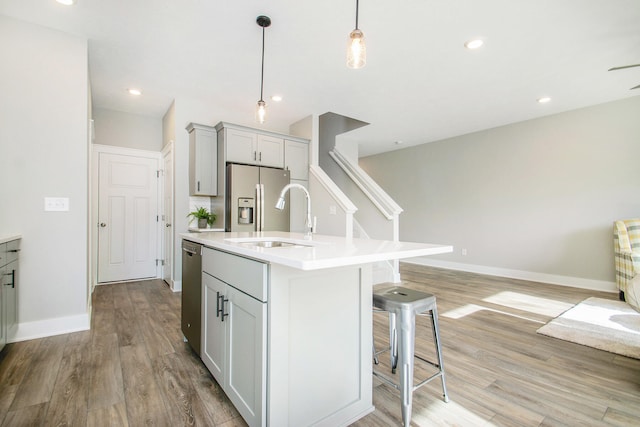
pixel 176 285
pixel 574 282
pixel 50 327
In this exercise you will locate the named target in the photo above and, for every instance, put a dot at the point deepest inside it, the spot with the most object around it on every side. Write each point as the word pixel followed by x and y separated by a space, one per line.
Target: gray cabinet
pixel 253 148
pixel 203 160
pixel 9 275
pixel 234 329
pixel 296 159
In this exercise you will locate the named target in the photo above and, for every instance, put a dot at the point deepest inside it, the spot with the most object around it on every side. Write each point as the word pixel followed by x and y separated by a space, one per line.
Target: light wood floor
pixel 133 368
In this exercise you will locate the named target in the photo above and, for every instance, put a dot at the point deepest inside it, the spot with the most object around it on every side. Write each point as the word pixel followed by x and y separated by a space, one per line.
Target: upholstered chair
pixel 626 244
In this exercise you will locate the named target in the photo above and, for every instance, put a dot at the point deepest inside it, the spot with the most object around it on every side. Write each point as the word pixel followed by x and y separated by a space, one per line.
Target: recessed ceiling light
pixel 544 100
pixel 134 91
pixel 67 2
pixel 474 44
pixel 276 98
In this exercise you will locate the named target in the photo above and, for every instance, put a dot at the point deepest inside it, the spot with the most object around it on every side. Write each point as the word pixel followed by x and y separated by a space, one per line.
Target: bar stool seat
pixel 403 304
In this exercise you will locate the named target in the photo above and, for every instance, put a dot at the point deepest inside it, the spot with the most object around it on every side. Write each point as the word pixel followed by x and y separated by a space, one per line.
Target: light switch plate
pixel 56 204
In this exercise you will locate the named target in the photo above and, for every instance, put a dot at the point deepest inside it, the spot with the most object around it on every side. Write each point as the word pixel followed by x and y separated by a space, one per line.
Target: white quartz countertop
pixel 318 253
pixel 5 239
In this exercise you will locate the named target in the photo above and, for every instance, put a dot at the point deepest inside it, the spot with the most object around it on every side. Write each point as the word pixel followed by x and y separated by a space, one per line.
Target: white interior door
pixel 127 217
pixel 167 216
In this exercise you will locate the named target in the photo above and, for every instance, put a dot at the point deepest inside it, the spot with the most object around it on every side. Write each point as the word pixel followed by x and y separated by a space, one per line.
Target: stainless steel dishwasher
pixel 191 292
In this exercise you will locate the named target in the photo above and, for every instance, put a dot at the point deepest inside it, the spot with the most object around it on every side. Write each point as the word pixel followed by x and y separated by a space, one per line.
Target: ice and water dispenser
pixel 246 206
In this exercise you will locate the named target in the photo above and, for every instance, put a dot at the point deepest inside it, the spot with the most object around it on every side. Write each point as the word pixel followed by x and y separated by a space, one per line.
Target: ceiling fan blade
pixel 635 87
pixel 623 67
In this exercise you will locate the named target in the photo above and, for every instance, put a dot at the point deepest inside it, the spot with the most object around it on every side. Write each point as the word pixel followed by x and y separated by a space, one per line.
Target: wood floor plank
pixel 108 416
pixel 27 416
pixel 105 375
pixel 15 361
pixel 181 399
pixel 39 380
pixel 144 400
pixel 69 402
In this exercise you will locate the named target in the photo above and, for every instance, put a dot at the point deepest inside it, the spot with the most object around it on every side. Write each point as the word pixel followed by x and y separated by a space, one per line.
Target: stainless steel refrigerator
pixel 251 196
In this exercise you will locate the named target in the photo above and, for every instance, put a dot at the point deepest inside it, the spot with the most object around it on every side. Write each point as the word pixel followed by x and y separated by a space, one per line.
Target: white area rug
pixel 605 324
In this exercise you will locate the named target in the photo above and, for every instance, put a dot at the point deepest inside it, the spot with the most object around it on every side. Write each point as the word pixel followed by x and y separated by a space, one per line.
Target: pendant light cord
pixel 262 71
pixel 357 14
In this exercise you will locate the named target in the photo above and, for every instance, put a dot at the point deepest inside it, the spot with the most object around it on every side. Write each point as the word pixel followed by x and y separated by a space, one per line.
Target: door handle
pixel 168 225
pixel 102 224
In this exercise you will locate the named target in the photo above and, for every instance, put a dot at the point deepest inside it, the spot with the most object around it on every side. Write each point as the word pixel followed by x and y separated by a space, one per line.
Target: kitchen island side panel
pixel 319 346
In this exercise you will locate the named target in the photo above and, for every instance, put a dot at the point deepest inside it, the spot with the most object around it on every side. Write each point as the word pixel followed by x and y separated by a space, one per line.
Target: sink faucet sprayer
pixel 281 202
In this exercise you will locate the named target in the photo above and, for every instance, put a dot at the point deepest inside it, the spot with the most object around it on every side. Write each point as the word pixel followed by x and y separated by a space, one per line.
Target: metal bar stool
pixel 403 305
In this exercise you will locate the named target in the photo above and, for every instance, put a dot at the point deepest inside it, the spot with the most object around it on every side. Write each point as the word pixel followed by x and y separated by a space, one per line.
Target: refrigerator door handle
pixel 258 207
pixel 261 207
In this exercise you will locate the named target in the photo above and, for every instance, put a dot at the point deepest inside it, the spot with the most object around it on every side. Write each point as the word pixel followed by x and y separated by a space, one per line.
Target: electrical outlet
pixel 464 251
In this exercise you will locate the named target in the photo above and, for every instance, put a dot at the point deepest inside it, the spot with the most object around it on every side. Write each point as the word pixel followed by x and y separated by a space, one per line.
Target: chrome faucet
pixel 281 202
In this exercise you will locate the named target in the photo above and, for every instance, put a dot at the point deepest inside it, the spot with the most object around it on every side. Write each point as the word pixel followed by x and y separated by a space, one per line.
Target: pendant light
pixel 356 50
pixel 261 108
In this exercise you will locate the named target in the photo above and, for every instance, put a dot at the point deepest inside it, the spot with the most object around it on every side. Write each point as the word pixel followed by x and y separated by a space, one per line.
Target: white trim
pixel 385 204
pixel 168 150
pixel 553 279
pixel 331 188
pixel 50 327
pixel 176 285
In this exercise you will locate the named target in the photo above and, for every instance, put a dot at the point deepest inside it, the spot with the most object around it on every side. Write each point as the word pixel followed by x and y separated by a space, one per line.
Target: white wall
pixel 44 153
pixel 127 130
pixel 538 196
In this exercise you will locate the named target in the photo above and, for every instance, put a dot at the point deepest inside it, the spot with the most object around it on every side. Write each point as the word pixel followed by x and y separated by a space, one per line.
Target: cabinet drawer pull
pixel 13 250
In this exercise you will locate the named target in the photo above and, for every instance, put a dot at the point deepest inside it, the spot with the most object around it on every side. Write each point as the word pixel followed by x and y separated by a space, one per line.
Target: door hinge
pixel 159 262
pixel 157 218
pixel 158 172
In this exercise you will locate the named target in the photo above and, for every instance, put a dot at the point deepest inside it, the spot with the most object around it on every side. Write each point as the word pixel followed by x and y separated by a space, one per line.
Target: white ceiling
pixel 419 85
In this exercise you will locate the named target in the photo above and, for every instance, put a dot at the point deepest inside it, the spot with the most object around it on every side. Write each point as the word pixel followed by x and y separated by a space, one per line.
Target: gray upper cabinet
pixel 203 160
pixel 296 159
pixel 253 148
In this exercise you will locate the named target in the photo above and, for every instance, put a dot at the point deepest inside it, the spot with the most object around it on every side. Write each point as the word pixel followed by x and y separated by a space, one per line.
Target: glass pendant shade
pixel 261 111
pixel 356 50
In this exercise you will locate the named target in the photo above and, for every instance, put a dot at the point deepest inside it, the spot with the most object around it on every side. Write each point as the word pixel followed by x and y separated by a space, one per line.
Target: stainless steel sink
pixel 273 244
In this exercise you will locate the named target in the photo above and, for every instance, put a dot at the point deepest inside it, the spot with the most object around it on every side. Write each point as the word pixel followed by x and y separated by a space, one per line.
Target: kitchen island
pixel 286 322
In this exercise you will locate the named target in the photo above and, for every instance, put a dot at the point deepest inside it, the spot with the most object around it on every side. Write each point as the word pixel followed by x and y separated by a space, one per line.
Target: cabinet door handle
pixel 218 304
pixel 220 311
pixel 260 159
pixel 198 185
pixel 13 279
pixel 254 155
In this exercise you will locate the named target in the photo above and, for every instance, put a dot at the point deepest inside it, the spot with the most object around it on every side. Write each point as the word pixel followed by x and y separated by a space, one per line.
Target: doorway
pixel 167 214
pixel 127 214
